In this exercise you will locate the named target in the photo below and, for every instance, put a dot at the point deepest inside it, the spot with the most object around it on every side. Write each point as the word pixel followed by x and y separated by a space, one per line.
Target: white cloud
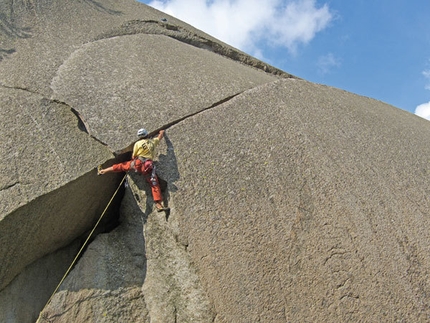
pixel 297 22
pixel 327 62
pixel 426 74
pixel 423 110
pixel 245 24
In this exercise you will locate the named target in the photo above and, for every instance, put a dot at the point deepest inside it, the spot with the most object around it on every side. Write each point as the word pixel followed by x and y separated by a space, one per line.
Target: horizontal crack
pixel 170 124
pixel 9 186
pixel 181 34
pixel 19 88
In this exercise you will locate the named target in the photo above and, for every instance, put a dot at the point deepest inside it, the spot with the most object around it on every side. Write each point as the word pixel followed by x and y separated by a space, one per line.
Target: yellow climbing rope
pixel 82 248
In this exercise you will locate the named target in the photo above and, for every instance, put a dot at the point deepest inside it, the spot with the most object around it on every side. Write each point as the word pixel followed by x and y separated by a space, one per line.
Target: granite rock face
pixel 290 201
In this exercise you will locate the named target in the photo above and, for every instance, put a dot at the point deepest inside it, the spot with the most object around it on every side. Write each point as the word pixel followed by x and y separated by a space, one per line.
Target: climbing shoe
pixel 99 168
pixel 162 208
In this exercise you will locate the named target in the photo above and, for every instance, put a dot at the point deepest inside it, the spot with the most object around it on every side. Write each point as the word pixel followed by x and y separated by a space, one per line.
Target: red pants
pixel 146 170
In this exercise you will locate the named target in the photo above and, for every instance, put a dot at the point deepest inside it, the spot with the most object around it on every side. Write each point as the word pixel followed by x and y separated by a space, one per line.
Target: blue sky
pixel 376 48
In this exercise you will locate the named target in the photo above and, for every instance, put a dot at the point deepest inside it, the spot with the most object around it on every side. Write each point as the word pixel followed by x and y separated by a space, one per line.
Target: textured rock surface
pixel 47 178
pixel 316 211
pixel 290 201
pixel 147 75
pixel 31 289
pixel 106 283
pixel 150 273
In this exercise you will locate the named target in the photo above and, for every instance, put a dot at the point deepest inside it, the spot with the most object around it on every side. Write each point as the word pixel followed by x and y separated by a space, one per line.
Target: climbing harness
pixel 82 248
pixel 144 161
pixel 148 166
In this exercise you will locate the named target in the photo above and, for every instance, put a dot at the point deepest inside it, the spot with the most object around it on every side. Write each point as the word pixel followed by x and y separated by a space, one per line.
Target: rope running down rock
pixel 82 248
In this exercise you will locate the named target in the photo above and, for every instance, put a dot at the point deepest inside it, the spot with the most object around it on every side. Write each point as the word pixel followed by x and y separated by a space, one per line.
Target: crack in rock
pixel 82 124
pixel 172 123
pixel 181 34
pixel 19 88
pixel 9 186
pixel 214 105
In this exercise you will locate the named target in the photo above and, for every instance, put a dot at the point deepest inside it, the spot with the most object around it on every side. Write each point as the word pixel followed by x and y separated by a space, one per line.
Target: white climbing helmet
pixel 142 133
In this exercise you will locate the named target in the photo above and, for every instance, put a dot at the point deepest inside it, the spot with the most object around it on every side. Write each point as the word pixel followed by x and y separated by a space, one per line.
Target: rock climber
pixel 142 162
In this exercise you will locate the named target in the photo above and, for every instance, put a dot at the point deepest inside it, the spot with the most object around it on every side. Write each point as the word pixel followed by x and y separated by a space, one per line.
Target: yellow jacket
pixel 145 148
